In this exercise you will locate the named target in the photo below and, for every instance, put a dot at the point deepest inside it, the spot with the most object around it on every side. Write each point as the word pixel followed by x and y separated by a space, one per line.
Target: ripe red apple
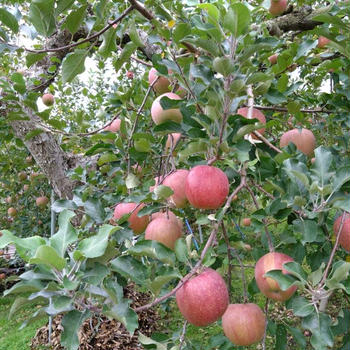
pixel 244 324
pixel 168 215
pixel 163 230
pixel 162 84
pixel 130 75
pixel 303 139
pixel 203 299
pixel 255 115
pixel 177 181
pixel 322 42
pixel 22 176
pixel 172 140
pixel 41 202
pixel 277 7
pixel 206 187
pixel 159 115
pixel 268 286
pixel 273 58
pixel 246 222
pixel 114 126
pixel 48 99
pixel 137 224
pixel 12 212
pixel 344 239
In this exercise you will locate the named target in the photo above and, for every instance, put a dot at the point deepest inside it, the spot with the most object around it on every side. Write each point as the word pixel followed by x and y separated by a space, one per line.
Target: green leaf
pixel 9 20
pixel 107 157
pixel 25 287
pixel 71 323
pixel 305 47
pixel 21 302
pixel 153 249
pixel 212 10
pixel 300 306
pixel 341 177
pixel 47 255
pixel 166 276
pixel 62 204
pixel 113 289
pixel 168 127
pixel 134 35
pixel 284 281
pixel 129 267
pixel 108 43
pixel 66 233
pixel 93 207
pixel 63 5
pixel 316 276
pixel 275 97
pixel 163 192
pixel 180 31
pixel 95 246
pixel 258 77
pixel 340 272
pixel 132 181
pixel 125 55
pixel 281 337
pixel 123 313
pixel 148 341
pixel 320 169
pixel 33 133
pixel 75 19
pixel 205 44
pixel 181 250
pixel 298 336
pixel 310 231
pixel 41 15
pixel 335 20
pixel 296 270
pixel 73 64
pixel 237 19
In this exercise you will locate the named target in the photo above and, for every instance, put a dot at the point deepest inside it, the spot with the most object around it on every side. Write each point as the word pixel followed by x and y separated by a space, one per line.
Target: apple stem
pixel 229 258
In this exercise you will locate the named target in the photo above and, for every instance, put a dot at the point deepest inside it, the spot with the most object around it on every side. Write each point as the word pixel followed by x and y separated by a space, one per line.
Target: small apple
pixel 9 200
pixel 246 222
pixel 2 276
pixel 162 84
pixel 256 114
pixel 344 239
pixel 303 139
pixel 25 188
pixel 177 181
pixel 48 99
pixel 41 202
pixel 160 115
pixel 130 75
pixel 203 299
pixel 313 160
pixel 163 230
pixel 277 7
pixel 244 324
pixel 206 187
pixel 268 286
pixel 22 176
pixel 273 58
pixel 322 42
pixel 12 212
pixel 114 126
pixel 29 160
pixel 137 224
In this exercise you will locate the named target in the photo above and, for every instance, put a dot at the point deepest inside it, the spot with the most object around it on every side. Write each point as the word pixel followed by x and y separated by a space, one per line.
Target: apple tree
pixel 196 150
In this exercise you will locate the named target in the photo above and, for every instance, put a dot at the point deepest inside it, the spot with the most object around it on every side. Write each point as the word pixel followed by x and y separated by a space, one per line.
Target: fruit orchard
pixel 197 151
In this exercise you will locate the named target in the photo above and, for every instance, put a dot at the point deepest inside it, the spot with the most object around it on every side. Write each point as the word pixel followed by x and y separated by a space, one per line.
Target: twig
pixel 182 336
pixel 229 257
pixel 265 140
pixel 244 282
pixel 260 188
pixel 283 109
pixel 138 7
pixel 266 312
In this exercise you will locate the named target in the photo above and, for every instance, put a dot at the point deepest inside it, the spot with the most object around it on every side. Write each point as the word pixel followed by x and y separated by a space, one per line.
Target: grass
pixel 11 338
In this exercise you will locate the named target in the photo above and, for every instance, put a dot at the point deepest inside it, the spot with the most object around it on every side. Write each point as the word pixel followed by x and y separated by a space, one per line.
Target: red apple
pixel 313 160
pixel 41 202
pixel 206 187
pixel 172 140
pixel 304 140
pixel 203 299
pixel 176 181
pixel 344 239
pixel 162 84
pixel 114 126
pixel 322 42
pixel 130 75
pixel 277 7
pixel 159 115
pixel 255 115
pixel 163 230
pixel 244 324
pixel 12 212
pixel 268 286
pixel 137 224
pixel 246 222
pixel 168 215
pixel 48 99
pixel 273 58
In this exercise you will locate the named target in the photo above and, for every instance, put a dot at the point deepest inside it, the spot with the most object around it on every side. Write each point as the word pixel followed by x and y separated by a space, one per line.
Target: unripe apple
pixel 22 176
pixel 206 187
pixel 162 84
pixel 168 215
pixel 304 140
pixel 277 7
pixel 268 286
pixel 114 126
pixel 48 99
pixel 246 222
pixel 137 224
pixel 130 75
pixel 273 58
pixel 172 140
pixel 344 239
pixel 159 115
pixel 177 181
pixel 163 230
pixel 244 324
pixel 256 114
pixel 41 202
pixel 322 42
pixel 12 212
pixel 203 299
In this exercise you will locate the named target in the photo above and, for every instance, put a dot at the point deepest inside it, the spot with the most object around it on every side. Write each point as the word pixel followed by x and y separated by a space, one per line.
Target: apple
pixel 2 276
pixel 176 181
pixel 273 58
pixel 9 200
pixel 12 212
pixel 246 222
pixel 22 176
pixel 203 299
pixel 114 126
pixel 322 42
pixel 256 114
pixel 313 160
pixel 130 75
pixel 277 7
pixel 48 99
pixel 159 115
pixel 268 286
pixel 344 239
pixel 137 224
pixel 137 168
pixel 29 160
pixel 25 187
pixel 172 140
pixel 162 84
pixel 206 187
pixel 163 230
pixel 41 202
pixel 244 324
pixel 168 215
pixel 303 139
